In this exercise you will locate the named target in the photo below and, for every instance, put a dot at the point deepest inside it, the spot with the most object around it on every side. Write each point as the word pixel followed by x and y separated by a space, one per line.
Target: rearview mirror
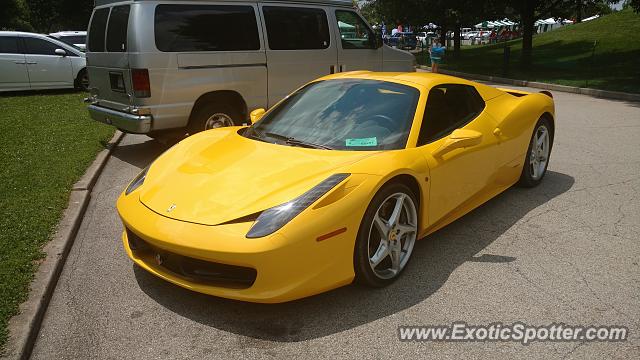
pixel 60 52
pixel 459 138
pixel 256 115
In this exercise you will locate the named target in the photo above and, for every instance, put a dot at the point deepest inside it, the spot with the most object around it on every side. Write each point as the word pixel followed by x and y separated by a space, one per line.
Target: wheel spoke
pixel 405 229
pixel 381 253
pixel 381 225
pixel 395 252
pixel 540 138
pixel 393 220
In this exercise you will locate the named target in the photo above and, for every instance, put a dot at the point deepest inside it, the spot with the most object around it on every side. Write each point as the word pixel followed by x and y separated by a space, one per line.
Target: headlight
pixel 273 219
pixel 137 182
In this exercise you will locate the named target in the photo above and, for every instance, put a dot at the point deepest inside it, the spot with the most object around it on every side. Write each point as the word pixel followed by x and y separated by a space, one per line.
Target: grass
pixel 47 142
pixel 564 56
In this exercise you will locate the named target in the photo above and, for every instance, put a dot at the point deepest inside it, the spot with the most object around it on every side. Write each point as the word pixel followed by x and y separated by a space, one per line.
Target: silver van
pixel 167 67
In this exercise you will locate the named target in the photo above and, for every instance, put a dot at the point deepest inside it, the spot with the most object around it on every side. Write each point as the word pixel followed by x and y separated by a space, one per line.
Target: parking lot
pixel 566 251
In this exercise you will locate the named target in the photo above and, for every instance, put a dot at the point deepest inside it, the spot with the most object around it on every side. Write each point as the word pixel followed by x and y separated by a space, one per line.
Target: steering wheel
pixel 386 122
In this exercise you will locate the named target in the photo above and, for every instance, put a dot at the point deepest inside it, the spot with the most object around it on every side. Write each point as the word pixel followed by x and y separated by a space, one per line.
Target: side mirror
pixel 256 115
pixel 459 138
pixel 60 52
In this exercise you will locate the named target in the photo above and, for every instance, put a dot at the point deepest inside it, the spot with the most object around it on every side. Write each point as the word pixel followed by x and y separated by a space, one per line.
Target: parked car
pixel 34 61
pixel 404 40
pixel 176 70
pixel 470 35
pixel 338 191
pixel 75 38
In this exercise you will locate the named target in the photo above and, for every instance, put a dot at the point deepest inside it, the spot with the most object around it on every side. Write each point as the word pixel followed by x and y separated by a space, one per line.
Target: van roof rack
pixel 348 3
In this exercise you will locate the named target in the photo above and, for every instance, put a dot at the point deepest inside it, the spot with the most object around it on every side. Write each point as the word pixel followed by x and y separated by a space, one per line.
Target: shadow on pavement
pixel 433 261
pixel 140 154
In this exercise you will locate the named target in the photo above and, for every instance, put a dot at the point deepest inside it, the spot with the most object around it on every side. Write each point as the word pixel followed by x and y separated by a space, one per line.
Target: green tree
pixel 14 15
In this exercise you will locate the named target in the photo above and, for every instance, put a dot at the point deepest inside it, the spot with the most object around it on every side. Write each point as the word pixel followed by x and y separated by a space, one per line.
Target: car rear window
pixel 97 28
pixel 117 29
pixel 292 28
pixel 206 28
pixel 9 45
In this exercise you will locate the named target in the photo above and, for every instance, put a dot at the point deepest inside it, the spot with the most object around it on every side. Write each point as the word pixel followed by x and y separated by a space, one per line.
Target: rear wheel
pixel 82 81
pixel 537 157
pixel 213 115
pixel 386 236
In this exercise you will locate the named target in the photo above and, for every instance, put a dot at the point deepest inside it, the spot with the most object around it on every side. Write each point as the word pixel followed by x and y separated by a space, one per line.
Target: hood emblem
pixel 170 209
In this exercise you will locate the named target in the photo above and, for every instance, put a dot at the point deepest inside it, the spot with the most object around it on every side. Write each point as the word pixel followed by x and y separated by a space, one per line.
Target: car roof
pixel 417 79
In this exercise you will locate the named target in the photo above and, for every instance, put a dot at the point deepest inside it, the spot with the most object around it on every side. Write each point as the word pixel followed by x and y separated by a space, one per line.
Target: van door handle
pixel 31 62
pixel 20 62
pixel 343 68
pixel 332 69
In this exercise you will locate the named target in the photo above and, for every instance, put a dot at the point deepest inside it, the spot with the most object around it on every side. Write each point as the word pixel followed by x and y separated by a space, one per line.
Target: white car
pixel 33 61
pixel 75 38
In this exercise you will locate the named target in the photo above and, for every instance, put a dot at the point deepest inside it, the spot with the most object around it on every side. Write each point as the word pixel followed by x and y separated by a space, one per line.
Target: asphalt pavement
pixel 566 251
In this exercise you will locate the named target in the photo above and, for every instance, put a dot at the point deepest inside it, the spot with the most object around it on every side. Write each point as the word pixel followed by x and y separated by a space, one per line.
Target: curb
pixel 24 327
pixel 615 95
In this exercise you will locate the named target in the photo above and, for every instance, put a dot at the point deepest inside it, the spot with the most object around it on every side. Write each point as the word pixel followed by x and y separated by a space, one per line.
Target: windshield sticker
pixel 372 141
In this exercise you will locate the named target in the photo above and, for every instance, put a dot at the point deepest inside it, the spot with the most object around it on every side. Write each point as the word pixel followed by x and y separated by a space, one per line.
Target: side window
pixel 292 28
pixel 206 28
pixel 9 45
pixel 35 46
pixel 354 32
pixel 97 28
pixel 117 29
pixel 449 107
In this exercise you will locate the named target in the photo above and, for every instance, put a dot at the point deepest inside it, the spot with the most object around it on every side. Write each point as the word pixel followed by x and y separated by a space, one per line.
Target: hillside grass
pixel 564 56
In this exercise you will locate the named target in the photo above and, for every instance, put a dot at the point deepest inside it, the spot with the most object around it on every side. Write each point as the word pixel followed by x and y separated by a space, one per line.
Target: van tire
pixel 212 115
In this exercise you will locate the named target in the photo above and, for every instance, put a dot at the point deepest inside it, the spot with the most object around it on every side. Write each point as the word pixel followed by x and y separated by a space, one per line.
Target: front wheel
pixel 386 236
pixel 537 157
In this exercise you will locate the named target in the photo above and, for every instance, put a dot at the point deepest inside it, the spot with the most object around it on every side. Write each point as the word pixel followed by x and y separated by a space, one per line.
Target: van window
pixel 117 29
pixel 206 28
pixel 354 32
pixel 9 45
pixel 97 28
pixel 294 28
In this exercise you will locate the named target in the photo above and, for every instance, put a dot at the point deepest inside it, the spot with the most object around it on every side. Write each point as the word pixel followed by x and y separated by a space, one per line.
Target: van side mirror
pixel 60 52
pixel 256 115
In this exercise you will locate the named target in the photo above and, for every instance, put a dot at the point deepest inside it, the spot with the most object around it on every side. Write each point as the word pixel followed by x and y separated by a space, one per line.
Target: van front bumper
pixel 129 123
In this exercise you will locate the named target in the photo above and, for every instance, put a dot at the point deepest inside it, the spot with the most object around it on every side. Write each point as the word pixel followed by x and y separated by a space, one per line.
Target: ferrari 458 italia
pixel 335 183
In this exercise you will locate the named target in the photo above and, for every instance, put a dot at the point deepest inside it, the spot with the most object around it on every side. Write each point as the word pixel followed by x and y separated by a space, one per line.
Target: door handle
pixel 20 62
pixel 31 62
pixel 332 69
pixel 343 68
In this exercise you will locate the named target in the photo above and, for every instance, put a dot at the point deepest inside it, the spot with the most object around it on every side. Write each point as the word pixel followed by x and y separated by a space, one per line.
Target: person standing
pixel 436 51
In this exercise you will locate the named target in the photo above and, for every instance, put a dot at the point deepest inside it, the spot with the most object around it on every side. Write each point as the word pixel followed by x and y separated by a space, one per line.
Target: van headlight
pixel 271 220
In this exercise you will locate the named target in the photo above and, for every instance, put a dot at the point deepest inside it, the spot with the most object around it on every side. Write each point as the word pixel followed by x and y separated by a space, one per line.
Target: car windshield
pixel 342 114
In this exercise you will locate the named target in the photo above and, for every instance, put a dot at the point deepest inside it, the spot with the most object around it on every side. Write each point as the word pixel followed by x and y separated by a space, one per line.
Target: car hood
pixel 218 176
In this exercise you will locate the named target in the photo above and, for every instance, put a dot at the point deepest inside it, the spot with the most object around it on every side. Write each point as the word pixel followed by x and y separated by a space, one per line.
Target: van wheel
pixel 213 115
pixel 82 81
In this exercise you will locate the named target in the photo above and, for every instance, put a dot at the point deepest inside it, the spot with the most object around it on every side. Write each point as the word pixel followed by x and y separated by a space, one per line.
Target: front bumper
pixel 129 123
pixel 289 264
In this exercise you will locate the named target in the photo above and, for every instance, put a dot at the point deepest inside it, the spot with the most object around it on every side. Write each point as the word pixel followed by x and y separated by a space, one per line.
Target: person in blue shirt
pixel 436 51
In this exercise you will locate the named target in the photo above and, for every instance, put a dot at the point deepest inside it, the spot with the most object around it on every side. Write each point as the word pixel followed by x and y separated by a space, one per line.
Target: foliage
pixel 14 15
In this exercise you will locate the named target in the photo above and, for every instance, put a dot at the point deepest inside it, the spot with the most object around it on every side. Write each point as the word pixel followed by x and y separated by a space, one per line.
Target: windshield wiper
pixel 296 142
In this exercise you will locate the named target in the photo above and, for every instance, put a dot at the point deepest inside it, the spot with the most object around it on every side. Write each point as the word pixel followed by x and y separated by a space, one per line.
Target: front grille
pixel 191 269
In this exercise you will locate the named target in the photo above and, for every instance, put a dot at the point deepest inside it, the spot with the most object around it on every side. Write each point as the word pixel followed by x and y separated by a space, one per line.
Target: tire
pixel 205 117
pixel 82 81
pixel 382 204
pixel 533 171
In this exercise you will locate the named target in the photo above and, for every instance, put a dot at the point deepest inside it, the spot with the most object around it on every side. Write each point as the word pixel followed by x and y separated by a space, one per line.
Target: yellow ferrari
pixel 333 184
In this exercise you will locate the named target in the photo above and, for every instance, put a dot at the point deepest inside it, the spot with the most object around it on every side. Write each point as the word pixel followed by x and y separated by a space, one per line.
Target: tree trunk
pixel 443 35
pixel 456 40
pixel 578 11
pixel 527 16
